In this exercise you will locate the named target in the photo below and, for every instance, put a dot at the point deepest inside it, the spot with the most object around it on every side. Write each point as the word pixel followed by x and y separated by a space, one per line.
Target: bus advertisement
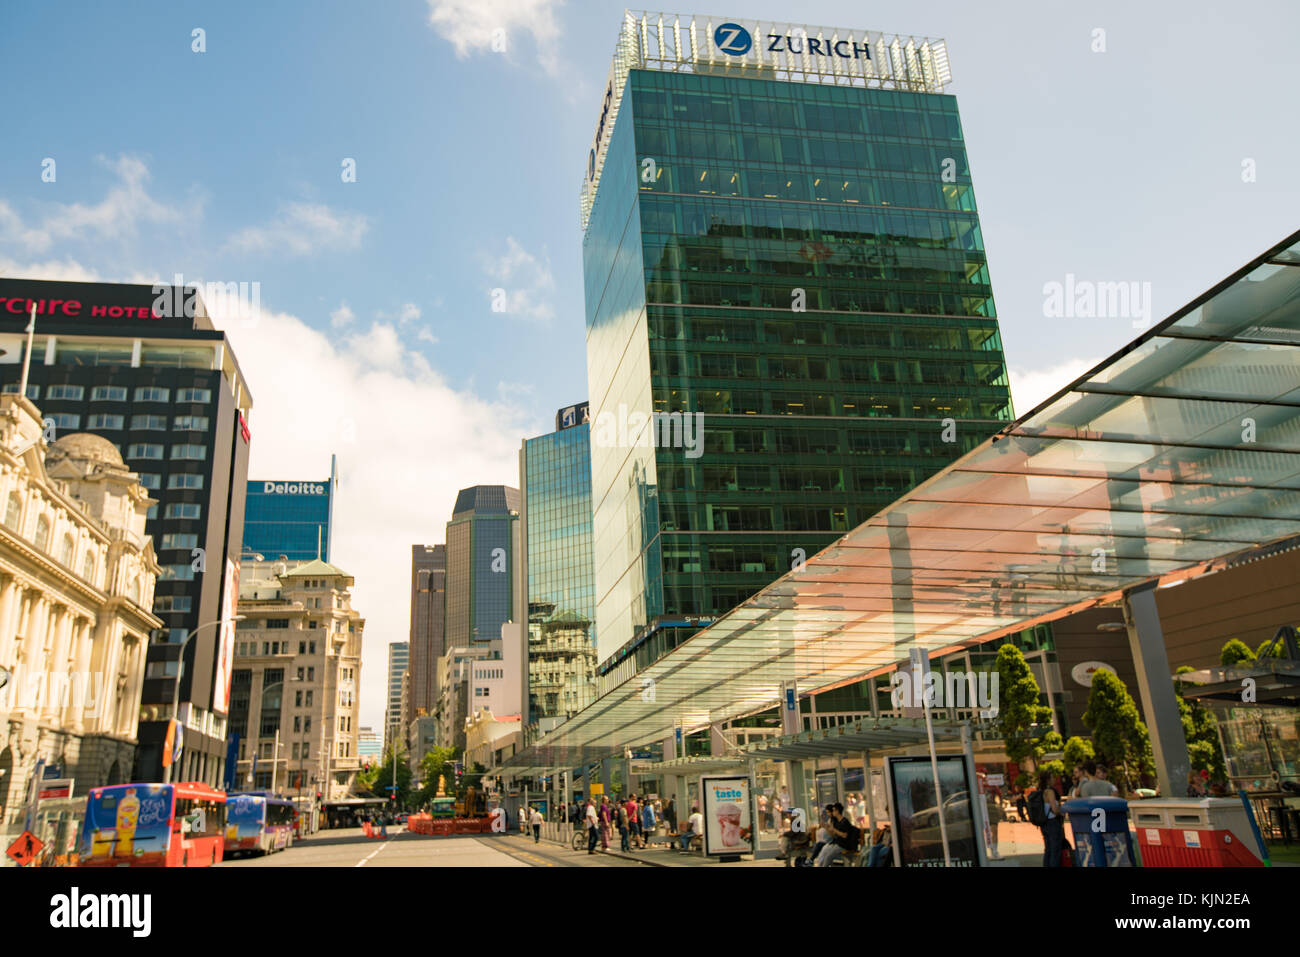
pixel 258 824
pixel 153 825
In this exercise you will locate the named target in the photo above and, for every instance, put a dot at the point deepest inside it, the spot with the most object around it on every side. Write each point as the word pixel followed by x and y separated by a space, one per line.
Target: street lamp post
pixel 180 674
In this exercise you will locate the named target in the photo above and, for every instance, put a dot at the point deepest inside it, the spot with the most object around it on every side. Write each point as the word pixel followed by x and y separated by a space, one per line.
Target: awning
pixel 1273 681
pixel 865 734
pixel 1167 459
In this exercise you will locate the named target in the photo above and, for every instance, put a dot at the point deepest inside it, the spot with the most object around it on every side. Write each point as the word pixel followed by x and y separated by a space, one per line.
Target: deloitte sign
pixel 293 488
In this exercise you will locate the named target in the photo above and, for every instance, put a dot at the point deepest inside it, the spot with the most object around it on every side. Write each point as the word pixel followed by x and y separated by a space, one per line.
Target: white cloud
pixel 409 312
pixel 406 444
pixel 526 280
pixel 1029 387
pixel 342 316
pixel 473 25
pixel 302 229
pixel 117 216
pixel 426 335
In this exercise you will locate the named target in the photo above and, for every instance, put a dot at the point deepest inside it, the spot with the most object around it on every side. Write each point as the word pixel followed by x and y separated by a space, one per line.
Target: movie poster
pixel 916 811
pixel 728 828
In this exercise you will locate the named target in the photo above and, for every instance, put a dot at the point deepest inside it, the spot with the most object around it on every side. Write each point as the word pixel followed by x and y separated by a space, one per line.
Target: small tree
pixel 1077 751
pixel 1200 729
pixel 1235 652
pixel 438 762
pixel 1018 708
pixel 1118 734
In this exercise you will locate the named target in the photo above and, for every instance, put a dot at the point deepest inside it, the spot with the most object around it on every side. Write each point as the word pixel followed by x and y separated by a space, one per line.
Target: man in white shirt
pixel 535 819
pixel 695 827
pixel 592 820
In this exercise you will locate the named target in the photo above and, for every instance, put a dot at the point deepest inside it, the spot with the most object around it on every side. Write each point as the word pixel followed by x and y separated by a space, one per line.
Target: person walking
pixel 606 821
pixel 536 819
pixel 593 826
pixel 670 812
pixel 624 828
pixel 1045 812
pixel 633 808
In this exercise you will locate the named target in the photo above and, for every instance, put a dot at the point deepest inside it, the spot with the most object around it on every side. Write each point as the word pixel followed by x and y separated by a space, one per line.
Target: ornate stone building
pixel 77 575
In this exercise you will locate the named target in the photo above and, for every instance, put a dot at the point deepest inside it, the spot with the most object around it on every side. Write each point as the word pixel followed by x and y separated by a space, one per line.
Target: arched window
pixel 88 566
pixel 66 555
pixel 42 539
pixel 13 511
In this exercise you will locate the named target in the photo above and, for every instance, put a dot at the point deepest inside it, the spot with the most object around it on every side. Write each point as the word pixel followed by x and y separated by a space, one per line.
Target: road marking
pixel 362 862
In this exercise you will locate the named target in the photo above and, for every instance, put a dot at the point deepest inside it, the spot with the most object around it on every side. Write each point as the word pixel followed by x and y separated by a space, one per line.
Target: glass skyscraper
pixel 555 479
pixel 289 518
pixel 481 554
pixel 786 247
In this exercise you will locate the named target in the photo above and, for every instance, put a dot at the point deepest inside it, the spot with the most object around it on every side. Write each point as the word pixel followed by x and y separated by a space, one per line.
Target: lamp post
pixel 180 673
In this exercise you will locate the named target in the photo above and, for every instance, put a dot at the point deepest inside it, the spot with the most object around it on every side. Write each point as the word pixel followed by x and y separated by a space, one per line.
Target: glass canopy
pixel 1175 454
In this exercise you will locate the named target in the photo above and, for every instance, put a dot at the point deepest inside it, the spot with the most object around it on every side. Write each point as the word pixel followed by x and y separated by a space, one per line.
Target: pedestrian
pixel 606 821
pixel 1092 785
pixel 1045 812
pixel 1077 782
pixel 1103 776
pixel 670 813
pixel 624 827
pixel 649 821
pixel 536 820
pixel 762 811
pixel 593 826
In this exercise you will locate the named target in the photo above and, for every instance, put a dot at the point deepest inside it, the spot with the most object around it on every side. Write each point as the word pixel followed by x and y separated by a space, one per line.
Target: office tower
pixel 148 372
pixel 398 659
pixel 296 680
pixel 289 519
pixel 555 482
pixel 482 545
pixel 789 315
pixel 428 619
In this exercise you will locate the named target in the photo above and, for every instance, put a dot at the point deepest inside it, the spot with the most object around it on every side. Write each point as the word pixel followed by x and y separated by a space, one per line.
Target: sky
pixel 1151 143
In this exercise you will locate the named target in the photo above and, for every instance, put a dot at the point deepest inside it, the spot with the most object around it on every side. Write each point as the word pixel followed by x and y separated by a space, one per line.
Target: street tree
pixel 1118 734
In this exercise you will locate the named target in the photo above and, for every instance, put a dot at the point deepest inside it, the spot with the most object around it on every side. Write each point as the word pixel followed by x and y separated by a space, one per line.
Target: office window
pixel 103 421
pixel 301 672
pixel 177 573
pixel 149 423
pixel 311 647
pixel 308 696
pixel 163 604
pixel 152 394
pixel 64 420
pixel 65 392
pixel 297 726
pixel 180 540
pixel 184 510
pixel 42 538
pixel 189 452
pixel 185 480
pixel 190 423
pixel 194 395
pixel 108 393
pixel 302 647
pixel 150 480
pixel 33 391
pixel 277 623
pixel 311 676
pixel 297 701
pixel 140 450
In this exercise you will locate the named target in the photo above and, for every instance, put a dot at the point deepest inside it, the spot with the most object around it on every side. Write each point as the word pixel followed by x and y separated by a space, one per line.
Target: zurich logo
pixel 733 39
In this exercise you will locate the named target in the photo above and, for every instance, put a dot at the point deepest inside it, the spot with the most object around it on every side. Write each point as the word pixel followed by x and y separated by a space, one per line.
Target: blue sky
pixel 379 342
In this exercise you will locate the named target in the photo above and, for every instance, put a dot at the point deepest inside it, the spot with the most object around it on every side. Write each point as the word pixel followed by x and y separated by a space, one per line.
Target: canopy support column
pixel 1155 683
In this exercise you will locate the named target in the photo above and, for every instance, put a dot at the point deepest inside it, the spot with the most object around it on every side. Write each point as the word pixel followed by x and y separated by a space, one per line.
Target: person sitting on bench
pixel 844 838
pixel 694 829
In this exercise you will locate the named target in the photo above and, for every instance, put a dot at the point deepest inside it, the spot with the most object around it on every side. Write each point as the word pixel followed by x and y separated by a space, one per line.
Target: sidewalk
pixel 659 856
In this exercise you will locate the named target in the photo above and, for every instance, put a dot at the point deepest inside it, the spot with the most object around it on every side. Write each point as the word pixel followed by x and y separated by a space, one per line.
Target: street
pixel 349 847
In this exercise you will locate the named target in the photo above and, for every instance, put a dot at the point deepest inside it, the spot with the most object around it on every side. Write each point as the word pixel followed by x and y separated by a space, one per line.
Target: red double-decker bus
pixel 153 825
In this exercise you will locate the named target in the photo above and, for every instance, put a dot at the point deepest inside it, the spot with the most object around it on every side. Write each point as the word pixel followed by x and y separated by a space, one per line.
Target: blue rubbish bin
pixel 1101 834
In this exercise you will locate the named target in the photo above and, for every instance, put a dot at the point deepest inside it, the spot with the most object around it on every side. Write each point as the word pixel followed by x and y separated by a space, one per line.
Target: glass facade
pixel 799 270
pixel 480 564
pixel 288 518
pixel 561 590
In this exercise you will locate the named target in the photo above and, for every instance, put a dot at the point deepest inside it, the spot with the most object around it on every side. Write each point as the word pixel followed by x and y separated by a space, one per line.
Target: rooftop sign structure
pixel 759 49
pixel 1171 459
